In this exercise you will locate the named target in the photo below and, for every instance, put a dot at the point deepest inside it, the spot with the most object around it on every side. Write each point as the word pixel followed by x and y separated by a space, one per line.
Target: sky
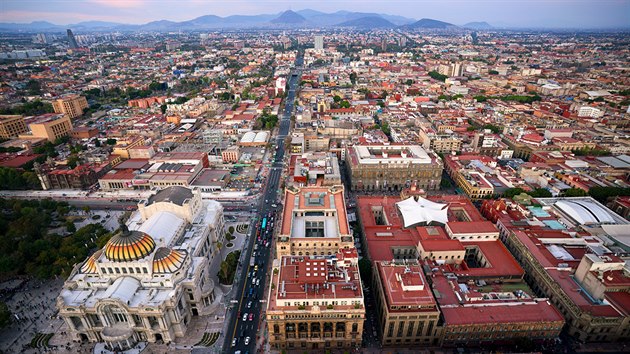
pixel 517 13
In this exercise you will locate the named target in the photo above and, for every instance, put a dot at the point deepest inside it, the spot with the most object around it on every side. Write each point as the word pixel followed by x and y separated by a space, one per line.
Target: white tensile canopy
pixel 422 211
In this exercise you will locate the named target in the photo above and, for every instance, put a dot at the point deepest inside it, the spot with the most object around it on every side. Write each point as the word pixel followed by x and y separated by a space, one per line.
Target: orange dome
pixel 89 267
pixel 129 246
pixel 167 260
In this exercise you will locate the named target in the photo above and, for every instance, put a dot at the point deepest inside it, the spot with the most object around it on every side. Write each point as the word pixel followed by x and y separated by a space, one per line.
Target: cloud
pixel 120 4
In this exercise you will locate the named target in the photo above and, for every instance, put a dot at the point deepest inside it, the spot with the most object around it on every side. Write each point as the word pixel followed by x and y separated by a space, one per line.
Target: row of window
pixel 117 270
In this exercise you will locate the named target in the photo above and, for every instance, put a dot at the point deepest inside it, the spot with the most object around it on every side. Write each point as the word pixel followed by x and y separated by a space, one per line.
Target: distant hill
pixel 427 23
pixel 337 18
pixel 478 25
pixel 368 22
pixel 289 17
pixel 303 18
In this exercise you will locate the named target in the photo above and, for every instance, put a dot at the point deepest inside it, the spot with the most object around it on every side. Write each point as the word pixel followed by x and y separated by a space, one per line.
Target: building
pixel 11 126
pixel 49 126
pixel 231 154
pixel 84 132
pixel 570 249
pixel 80 177
pixel 252 138
pixel 407 311
pixel 319 168
pixel 393 167
pixel 314 222
pixel 443 143
pixel 71 40
pixel 316 302
pixel 151 278
pixel 70 105
pixel 437 266
pixel 319 42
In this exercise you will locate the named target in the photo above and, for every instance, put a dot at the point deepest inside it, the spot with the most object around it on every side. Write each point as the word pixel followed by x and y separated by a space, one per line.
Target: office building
pixel 71 40
pixel 393 167
pixel 48 126
pixel 70 105
pixel 319 42
pixel 12 126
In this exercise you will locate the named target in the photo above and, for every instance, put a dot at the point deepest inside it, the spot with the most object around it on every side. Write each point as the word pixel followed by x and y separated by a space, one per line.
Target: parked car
pixel 247 341
pixel 251 316
pixel 245 316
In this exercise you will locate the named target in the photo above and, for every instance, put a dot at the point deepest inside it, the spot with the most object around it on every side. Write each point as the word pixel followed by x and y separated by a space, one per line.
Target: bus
pixel 264 222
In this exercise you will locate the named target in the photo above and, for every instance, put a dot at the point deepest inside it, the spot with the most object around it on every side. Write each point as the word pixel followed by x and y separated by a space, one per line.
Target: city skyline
pixel 513 13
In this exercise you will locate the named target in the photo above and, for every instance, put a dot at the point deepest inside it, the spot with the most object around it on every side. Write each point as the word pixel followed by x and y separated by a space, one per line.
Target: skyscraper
pixel 73 42
pixel 319 42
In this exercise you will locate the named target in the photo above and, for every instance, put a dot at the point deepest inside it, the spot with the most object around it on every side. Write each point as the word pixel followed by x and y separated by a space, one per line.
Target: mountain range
pixel 288 19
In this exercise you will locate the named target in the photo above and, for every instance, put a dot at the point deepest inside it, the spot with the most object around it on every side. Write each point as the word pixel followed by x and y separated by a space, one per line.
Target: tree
pixel 540 193
pixel 12 179
pixel 111 141
pixel 5 315
pixel 602 194
pixel 353 78
pixel 163 108
pixel 437 76
pixel 70 227
pixel 512 192
pixel 231 229
pixel 365 270
pixel 33 87
pixel 575 192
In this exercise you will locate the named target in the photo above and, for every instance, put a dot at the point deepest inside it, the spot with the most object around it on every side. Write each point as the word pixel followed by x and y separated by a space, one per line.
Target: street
pixel 246 316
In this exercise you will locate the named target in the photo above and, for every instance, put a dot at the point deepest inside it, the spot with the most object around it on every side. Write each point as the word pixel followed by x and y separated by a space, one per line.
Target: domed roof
pixel 129 246
pixel 89 267
pixel 168 260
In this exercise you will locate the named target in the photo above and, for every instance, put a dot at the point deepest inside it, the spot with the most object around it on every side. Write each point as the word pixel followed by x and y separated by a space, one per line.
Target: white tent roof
pixel 422 211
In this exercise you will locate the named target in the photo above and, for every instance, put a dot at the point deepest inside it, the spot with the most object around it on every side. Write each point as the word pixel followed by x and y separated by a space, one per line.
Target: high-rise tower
pixel 72 40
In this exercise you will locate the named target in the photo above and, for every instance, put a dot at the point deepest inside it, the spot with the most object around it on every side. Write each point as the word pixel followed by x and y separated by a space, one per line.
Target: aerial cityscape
pixel 339 177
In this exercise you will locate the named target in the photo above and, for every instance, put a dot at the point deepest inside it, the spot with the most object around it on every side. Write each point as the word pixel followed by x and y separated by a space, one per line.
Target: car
pixel 267 244
pixel 257 282
pixel 245 316
pixel 234 341
pixel 256 268
pixel 251 316
pixel 249 305
pixel 247 340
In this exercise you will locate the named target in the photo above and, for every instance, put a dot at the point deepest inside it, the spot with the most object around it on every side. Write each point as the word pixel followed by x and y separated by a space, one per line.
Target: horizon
pixel 576 14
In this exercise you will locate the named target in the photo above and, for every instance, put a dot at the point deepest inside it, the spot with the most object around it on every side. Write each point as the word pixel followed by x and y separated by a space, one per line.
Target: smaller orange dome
pixel 167 260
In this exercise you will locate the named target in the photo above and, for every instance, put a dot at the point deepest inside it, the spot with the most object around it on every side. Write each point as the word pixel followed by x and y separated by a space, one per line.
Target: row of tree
pixel 601 194
pixel 227 269
pixel 27 247
pixel 33 108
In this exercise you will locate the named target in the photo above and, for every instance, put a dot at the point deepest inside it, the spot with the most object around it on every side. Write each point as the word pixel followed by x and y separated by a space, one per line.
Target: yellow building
pixel 11 126
pixel 70 105
pixel 49 126
pixel 123 147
